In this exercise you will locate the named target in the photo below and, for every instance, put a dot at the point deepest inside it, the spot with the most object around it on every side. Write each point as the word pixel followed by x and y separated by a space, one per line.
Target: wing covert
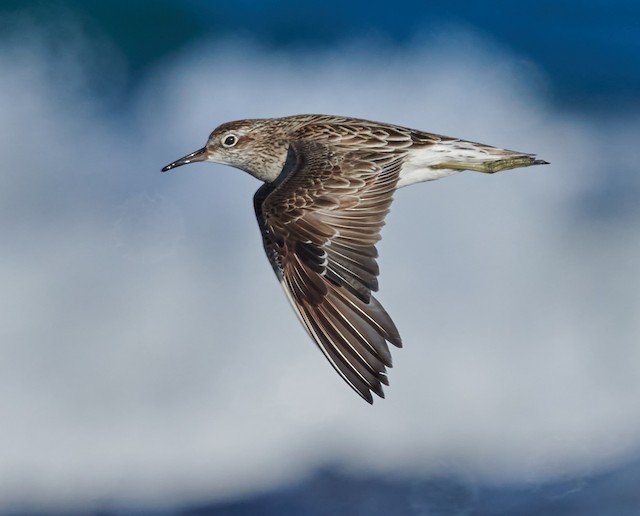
pixel 320 222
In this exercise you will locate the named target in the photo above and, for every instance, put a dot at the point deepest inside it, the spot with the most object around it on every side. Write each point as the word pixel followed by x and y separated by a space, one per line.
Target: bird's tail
pixel 466 155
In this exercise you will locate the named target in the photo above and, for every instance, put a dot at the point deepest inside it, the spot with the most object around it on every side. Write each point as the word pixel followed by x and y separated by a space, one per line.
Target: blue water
pixel 588 51
pixel 588 58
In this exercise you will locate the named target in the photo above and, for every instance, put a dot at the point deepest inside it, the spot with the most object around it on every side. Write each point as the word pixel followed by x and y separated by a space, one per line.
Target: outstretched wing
pixel 320 222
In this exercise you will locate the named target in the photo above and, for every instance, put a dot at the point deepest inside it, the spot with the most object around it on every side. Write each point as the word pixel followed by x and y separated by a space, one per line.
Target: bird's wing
pixel 320 222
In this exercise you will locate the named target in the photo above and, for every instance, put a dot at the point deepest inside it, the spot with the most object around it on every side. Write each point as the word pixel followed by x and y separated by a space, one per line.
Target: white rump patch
pixel 417 167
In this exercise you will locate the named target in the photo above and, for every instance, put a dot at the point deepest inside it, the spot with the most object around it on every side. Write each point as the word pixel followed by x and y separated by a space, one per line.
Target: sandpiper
pixel 328 185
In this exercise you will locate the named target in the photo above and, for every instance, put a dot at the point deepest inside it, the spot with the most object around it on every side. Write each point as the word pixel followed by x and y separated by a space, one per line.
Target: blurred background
pixel 149 363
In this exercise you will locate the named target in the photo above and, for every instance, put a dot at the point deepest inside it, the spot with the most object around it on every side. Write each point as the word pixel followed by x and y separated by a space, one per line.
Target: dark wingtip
pixel 541 162
pixel 376 388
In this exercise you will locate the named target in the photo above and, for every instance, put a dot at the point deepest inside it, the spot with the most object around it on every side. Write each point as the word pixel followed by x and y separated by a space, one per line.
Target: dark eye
pixel 230 140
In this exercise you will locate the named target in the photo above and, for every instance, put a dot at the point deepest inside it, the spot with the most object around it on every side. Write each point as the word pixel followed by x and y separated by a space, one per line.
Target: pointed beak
pixel 199 155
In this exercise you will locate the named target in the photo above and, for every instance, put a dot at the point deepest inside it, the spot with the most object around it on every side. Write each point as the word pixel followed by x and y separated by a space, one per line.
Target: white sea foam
pixel 148 353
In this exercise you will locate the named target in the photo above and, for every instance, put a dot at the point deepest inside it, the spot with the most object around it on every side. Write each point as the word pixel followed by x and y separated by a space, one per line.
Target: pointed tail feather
pixel 485 158
pixel 448 156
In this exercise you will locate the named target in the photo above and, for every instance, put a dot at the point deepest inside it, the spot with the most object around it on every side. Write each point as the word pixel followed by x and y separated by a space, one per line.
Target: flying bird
pixel 328 185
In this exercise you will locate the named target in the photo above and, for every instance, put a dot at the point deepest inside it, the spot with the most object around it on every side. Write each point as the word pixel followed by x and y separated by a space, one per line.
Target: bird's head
pixel 257 146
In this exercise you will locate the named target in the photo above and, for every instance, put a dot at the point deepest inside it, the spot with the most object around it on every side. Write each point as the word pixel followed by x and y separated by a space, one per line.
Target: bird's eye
pixel 230 140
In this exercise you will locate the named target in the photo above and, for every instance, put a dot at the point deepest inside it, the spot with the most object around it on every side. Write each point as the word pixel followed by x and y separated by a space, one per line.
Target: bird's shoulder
pixel 346 133
pixel 321 176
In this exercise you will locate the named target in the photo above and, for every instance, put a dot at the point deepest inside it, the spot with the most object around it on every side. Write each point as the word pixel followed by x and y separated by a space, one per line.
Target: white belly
pixel 410 174
pixel 417 167
pixel 458 153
